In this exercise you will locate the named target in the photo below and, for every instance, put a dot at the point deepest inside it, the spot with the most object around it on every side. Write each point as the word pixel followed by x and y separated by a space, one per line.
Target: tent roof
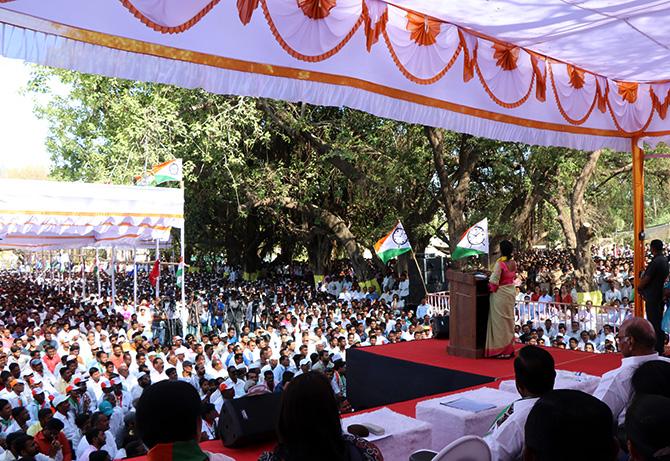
pixel 581 74
pixel 622 40
pixel 37 215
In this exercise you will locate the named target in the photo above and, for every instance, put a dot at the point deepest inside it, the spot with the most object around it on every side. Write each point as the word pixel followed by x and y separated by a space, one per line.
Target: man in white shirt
pixel 637 341
pixel 62 406
pixel 423 309
pixel 403 286
pixel 612 293
pixel 96 440
pixel 535 376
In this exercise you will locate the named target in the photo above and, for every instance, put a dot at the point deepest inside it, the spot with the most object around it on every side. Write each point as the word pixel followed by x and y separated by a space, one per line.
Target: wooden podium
pixel 468 315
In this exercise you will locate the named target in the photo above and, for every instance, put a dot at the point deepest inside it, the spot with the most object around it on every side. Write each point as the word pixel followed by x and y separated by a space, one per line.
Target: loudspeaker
pixel 440 326
pixel 250 419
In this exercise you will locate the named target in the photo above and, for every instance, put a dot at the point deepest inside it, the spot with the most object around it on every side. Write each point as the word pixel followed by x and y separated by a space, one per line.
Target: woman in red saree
pixel 500 329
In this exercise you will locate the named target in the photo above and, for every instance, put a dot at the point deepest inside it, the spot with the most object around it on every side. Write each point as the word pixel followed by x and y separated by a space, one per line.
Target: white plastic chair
pixel 467 448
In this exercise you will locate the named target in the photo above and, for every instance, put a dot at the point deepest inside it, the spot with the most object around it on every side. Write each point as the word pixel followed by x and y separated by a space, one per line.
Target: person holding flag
pixel 500 328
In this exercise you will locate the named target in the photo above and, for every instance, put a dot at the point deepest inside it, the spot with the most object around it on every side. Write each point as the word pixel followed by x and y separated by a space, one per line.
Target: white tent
pixel 583 74
pixel 43 215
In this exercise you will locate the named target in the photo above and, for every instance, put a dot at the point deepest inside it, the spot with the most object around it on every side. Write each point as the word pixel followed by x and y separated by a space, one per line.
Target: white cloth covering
pixel 451 423
pixel 403 435
pixel 564 380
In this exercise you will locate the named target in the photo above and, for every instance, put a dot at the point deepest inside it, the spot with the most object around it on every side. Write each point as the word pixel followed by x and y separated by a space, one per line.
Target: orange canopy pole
pixel 638 221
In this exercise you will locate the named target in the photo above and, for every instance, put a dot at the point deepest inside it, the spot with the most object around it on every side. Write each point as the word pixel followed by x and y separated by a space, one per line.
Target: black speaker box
pixel 440 326
pixel 249 420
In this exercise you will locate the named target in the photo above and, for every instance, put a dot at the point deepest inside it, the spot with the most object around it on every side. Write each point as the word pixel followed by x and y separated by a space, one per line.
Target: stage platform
pixel 378 372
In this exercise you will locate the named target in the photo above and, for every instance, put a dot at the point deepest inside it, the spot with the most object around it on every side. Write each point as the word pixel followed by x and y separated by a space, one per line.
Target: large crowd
pixel 75 362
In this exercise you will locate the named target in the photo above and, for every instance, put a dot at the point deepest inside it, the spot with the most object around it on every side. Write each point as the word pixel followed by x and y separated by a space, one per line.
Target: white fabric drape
pixel 37 215
pixel 549 73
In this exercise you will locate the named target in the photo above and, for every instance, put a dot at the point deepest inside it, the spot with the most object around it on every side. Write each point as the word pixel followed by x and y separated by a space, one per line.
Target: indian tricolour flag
pixel 163 172
pixel 394 244
pixel 180 273
pixel 474 242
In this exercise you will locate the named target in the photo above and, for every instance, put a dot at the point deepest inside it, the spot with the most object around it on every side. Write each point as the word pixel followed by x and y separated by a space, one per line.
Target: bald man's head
pixel 637 337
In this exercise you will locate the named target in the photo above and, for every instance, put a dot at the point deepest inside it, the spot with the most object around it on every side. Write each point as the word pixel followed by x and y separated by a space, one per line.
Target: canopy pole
pixel 135 278
pixel 113 277
pixel 638 221
pixel 97 271
pixel 158 279
pixel 83 276
pixel 183 264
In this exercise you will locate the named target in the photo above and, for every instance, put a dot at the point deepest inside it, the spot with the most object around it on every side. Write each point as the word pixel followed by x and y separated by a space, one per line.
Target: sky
pixel 22 134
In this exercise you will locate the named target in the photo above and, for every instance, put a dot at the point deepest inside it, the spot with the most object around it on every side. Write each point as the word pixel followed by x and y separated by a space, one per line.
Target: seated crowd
pixel 75 365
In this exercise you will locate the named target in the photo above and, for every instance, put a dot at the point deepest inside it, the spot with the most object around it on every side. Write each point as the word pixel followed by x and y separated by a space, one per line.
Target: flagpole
pixel 83 277
pixel 97 270
pixel 113 277
pixel 423 282
pixel 183 258
pixel 158 279
pixel 135 277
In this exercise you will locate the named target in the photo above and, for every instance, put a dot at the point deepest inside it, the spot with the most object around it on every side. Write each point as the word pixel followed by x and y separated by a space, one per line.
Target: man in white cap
pixel 38 402
pixel 305 366
pixel 62 406
pixel 143 381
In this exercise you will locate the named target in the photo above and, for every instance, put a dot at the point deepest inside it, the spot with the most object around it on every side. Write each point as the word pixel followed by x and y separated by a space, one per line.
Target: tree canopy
pixel 267 177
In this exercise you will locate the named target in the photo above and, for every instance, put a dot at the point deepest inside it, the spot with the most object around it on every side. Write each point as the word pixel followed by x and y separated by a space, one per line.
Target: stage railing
pixel 440 302
pixel 589 317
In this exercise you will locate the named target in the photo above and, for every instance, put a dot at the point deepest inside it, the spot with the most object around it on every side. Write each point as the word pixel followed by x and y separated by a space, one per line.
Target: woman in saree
pixel 500 329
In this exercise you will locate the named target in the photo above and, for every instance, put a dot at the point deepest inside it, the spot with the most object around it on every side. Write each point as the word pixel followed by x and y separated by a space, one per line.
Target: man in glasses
pixel 636 340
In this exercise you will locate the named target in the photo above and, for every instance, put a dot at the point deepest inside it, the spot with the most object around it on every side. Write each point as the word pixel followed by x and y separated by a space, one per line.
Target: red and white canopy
pixel 43 215
pixel 577 73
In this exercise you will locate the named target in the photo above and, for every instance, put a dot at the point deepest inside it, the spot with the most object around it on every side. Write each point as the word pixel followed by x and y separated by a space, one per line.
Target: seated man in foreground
pixel 535 375
pixel 637 341
pixel 169 423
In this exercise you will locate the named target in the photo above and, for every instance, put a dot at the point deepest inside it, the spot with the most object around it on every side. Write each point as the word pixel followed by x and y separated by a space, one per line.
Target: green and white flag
pixel 180 273
pixel 474 242
pixel 393 245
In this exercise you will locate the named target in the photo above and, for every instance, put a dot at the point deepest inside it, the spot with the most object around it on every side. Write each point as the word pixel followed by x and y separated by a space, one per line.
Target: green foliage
pixel 243 164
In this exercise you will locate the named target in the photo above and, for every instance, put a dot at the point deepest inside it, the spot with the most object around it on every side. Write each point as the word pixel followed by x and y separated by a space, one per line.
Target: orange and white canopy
pixel 577 73
pixel 42 215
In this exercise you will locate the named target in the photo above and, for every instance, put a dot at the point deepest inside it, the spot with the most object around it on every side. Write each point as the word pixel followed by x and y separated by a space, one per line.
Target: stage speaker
pixel 440 326
pixel 248 420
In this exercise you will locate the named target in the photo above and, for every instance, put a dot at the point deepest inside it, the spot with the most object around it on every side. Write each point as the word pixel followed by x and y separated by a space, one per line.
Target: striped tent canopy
pixel 46 215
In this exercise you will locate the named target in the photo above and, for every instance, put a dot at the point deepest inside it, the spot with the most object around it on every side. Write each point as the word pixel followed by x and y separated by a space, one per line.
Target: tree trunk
pixel 454 186
pixel 578 233
pixel 347 241
pixel 320 251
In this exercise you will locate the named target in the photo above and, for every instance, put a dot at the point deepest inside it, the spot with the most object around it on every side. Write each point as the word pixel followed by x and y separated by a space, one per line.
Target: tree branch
pixel 614 174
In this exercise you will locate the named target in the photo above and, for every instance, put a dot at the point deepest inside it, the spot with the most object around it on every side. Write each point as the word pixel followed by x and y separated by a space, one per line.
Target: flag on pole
pixel 393 245
pixel 163 172
pixel 155 272
pixel 180 273
pixel 474 242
